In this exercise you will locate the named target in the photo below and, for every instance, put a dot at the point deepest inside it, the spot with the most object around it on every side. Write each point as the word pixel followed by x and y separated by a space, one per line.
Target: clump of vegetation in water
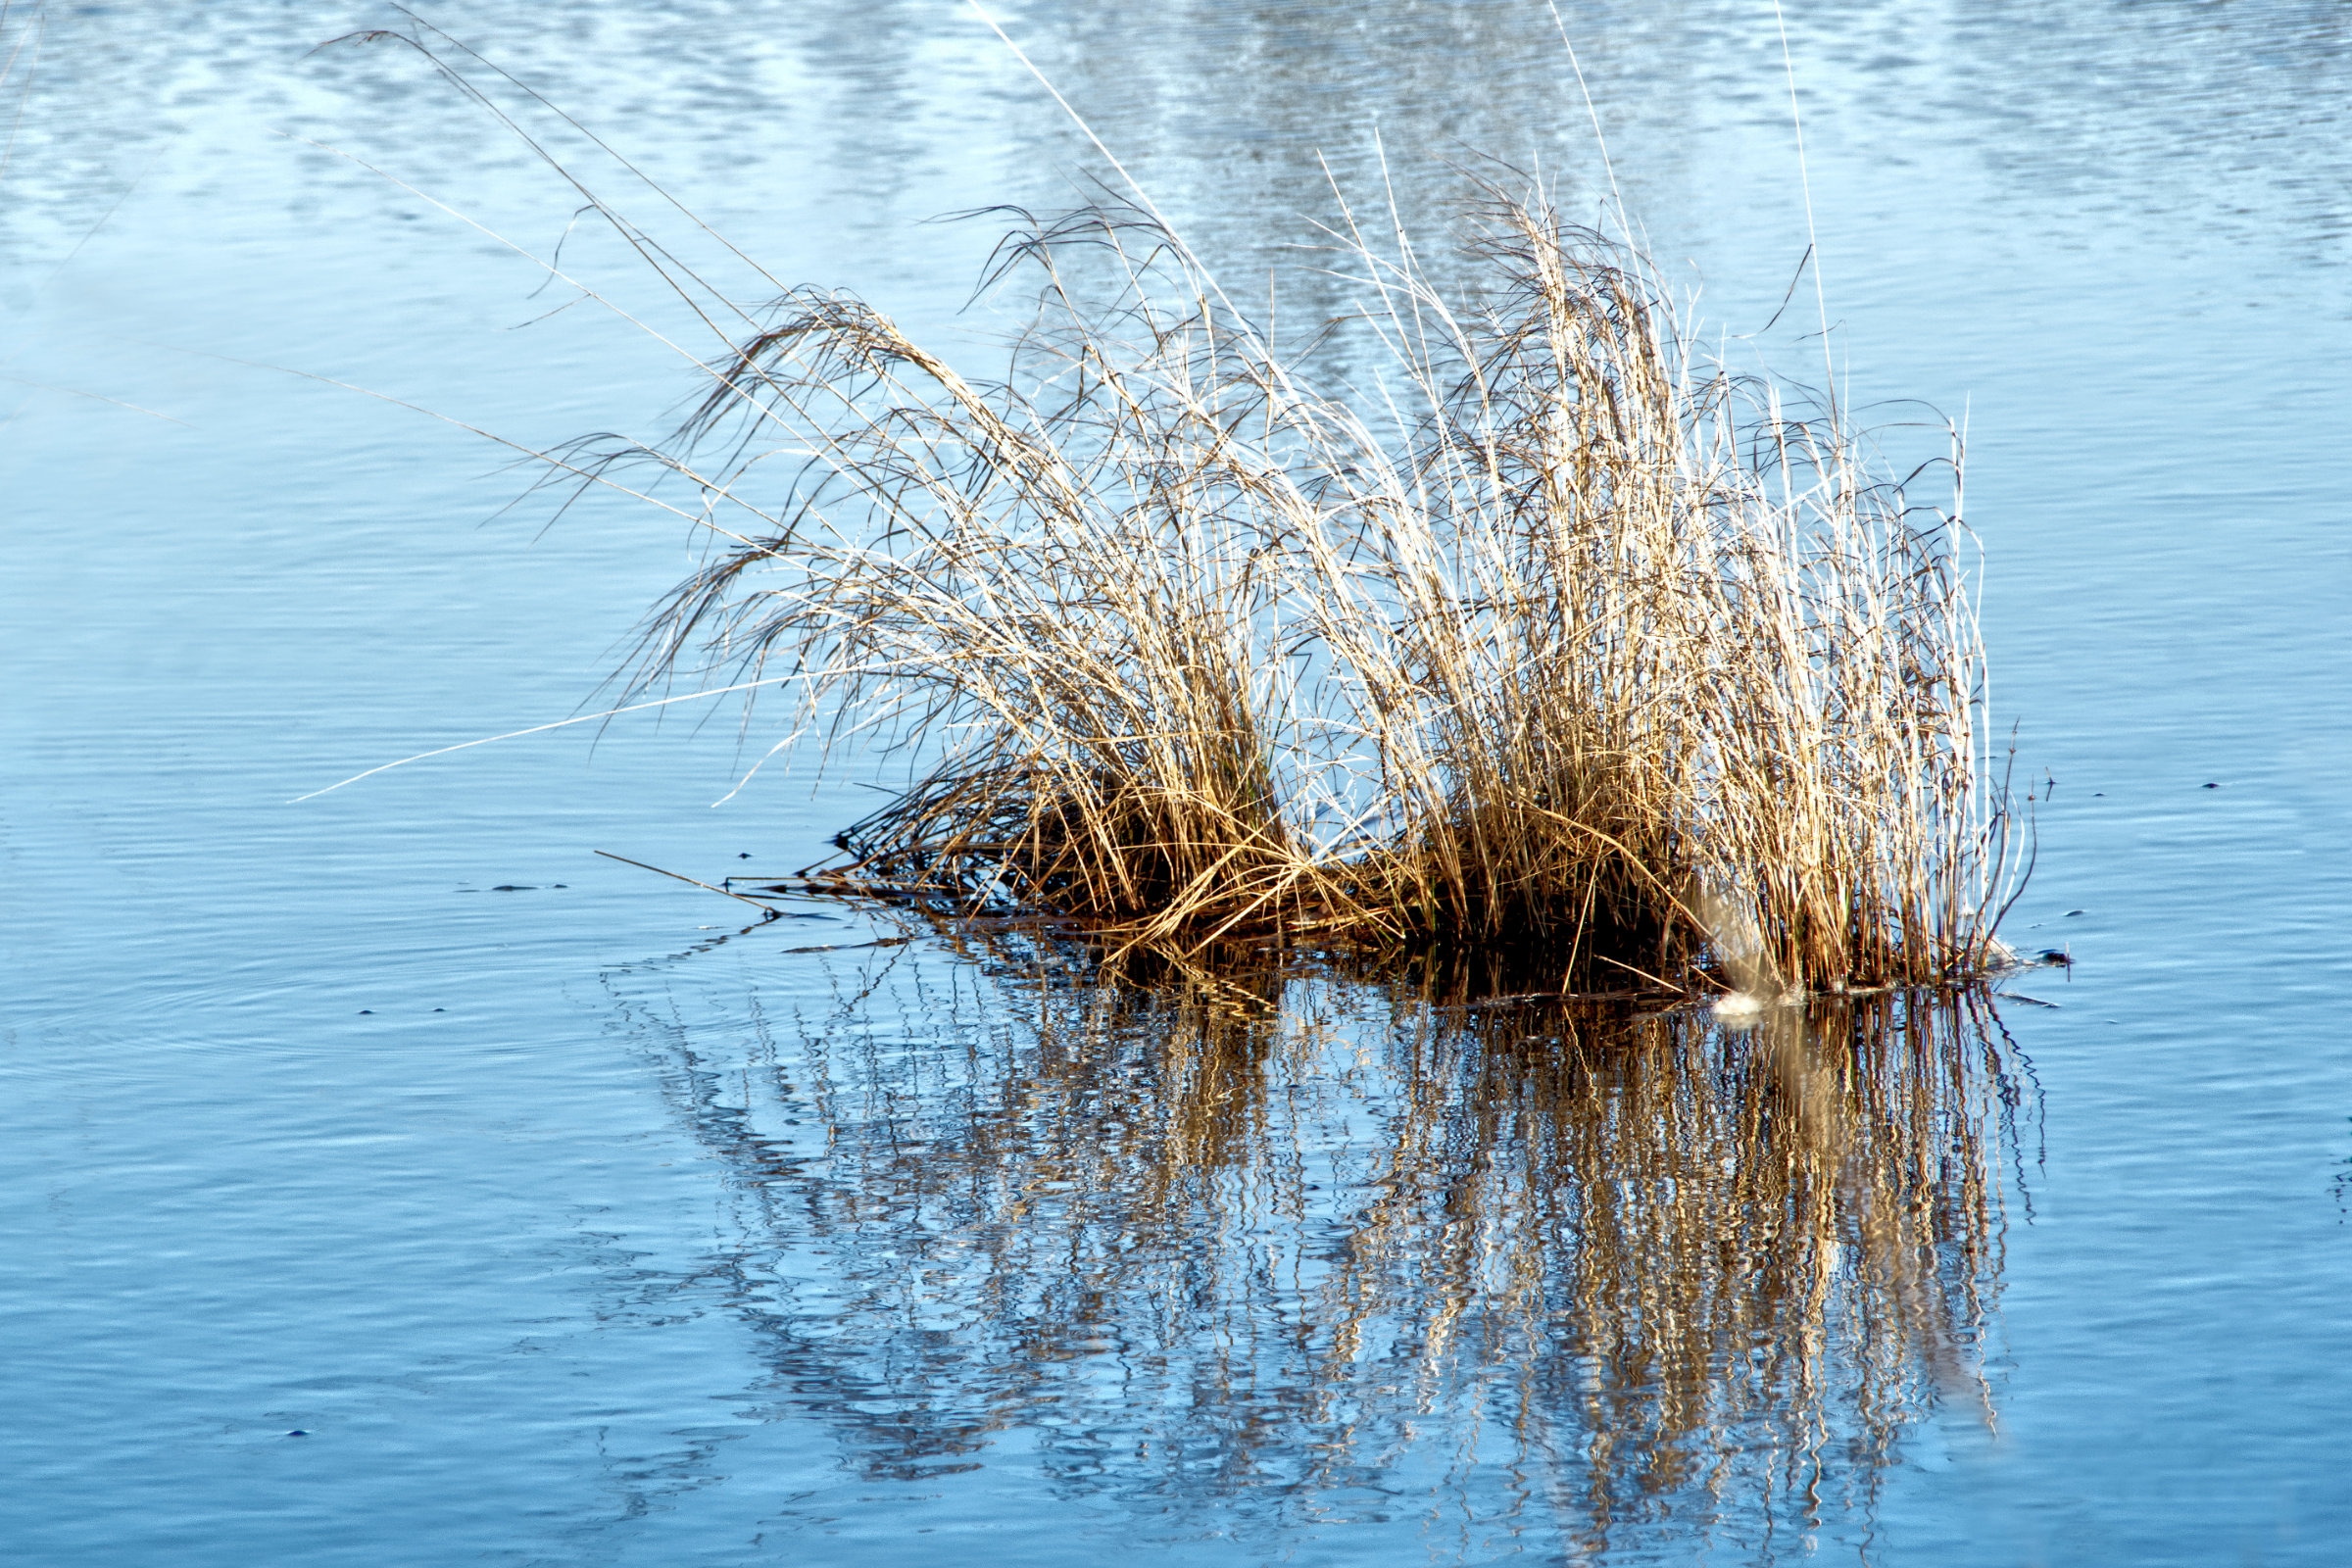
pixel 1544 643
pixel 1548 632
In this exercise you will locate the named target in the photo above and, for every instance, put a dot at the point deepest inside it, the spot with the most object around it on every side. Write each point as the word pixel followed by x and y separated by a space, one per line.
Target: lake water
pixel 569 1226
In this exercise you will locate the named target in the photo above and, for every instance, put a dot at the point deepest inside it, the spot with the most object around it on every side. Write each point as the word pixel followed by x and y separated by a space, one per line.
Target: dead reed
pixel 1545 630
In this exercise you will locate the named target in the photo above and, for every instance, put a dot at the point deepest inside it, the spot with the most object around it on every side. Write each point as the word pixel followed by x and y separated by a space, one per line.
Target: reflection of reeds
pixel 1638 1274
pixel 1711 1259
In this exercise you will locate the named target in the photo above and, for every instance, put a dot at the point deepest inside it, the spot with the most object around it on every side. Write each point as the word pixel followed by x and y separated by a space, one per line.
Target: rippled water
pixel 569 1225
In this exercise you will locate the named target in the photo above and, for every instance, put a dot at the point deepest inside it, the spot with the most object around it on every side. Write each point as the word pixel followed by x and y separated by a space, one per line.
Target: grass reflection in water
pixel 1302 1248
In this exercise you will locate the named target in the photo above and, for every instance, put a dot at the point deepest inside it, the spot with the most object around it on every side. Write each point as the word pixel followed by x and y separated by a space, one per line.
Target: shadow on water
pixel 1280 1248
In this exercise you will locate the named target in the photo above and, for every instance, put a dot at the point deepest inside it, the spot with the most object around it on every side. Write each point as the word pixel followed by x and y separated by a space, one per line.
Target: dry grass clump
pixel 1545 629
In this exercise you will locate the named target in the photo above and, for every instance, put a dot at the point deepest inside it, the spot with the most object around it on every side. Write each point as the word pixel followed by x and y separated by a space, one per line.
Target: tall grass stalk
pixel 1545 629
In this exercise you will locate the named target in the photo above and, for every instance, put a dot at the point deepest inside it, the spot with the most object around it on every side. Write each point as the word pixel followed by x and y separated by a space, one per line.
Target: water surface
pixel 571 1227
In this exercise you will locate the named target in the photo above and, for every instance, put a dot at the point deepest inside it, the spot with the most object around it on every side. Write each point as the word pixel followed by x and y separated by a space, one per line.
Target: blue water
pixel 568 1232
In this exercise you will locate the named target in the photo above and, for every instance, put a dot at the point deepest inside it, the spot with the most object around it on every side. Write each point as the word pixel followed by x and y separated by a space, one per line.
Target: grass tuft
pixel 1544 630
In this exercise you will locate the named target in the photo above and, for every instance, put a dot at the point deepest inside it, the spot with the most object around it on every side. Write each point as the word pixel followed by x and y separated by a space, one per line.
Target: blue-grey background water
pixel 569 1233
